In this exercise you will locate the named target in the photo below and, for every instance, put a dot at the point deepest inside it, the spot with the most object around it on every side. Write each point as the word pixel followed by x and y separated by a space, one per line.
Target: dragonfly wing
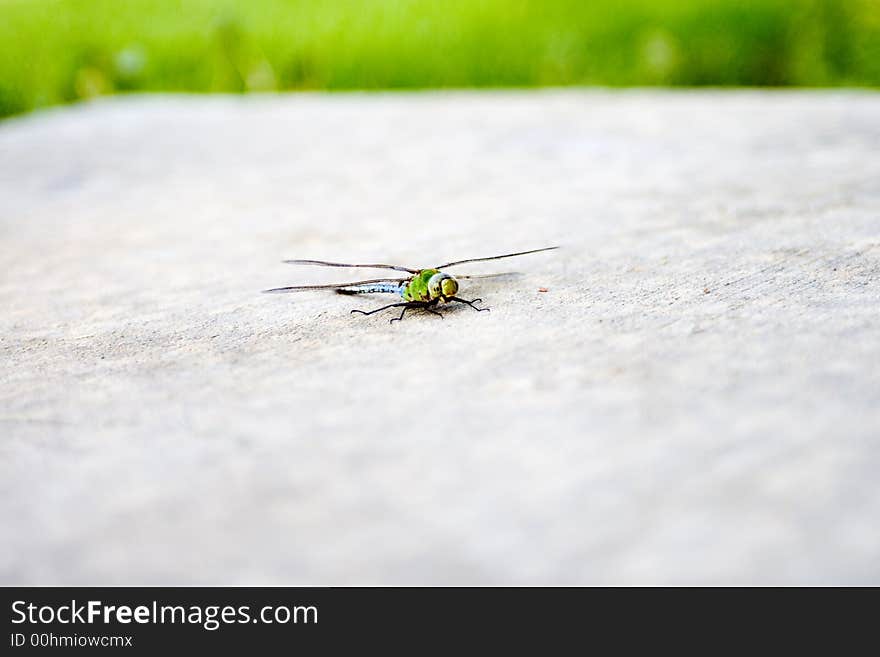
pixel 334 286
pixel 506 274
pixel 498 257
pixel 323 263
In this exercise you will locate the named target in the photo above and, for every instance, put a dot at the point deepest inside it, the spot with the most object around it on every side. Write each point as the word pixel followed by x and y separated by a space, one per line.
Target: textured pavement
pixel 694 399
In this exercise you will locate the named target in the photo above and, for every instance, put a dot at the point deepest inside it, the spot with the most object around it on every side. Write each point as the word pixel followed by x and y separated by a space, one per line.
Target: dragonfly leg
pixel 402 313
pixel 390 305
pixel 470 303
pixel 434 312
pixel 425 305
pixel 406 305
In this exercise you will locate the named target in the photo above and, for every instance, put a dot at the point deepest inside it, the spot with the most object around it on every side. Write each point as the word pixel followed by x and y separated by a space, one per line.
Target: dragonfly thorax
pixel 430 284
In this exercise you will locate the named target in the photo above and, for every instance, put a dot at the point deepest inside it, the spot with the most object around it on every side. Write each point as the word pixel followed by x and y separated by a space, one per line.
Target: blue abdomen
pixel 374 288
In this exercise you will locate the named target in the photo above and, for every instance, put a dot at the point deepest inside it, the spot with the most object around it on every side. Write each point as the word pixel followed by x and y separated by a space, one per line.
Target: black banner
pixel 149 620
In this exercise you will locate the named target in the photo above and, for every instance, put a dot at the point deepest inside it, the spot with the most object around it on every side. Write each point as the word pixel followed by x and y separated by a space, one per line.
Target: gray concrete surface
pixel 695 399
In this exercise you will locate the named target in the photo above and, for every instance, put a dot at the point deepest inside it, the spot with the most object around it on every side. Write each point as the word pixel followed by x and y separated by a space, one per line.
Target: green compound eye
pixel 449 287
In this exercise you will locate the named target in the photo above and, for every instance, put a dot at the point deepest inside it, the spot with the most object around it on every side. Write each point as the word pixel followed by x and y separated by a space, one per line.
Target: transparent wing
pixel 498 257
pixel 506 274
pixel 323 263
pixel 333 286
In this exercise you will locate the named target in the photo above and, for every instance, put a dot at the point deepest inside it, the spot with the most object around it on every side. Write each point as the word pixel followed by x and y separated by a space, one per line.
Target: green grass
pixel 57 51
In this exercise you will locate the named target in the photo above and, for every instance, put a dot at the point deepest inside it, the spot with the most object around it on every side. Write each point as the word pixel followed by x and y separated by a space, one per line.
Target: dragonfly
pixel 423 289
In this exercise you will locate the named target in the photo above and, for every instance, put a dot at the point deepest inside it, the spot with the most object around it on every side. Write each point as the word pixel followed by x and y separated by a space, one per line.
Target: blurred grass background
pixel 57 51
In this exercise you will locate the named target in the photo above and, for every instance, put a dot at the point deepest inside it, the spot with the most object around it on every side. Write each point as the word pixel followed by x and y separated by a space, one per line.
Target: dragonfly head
pixel 442 285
